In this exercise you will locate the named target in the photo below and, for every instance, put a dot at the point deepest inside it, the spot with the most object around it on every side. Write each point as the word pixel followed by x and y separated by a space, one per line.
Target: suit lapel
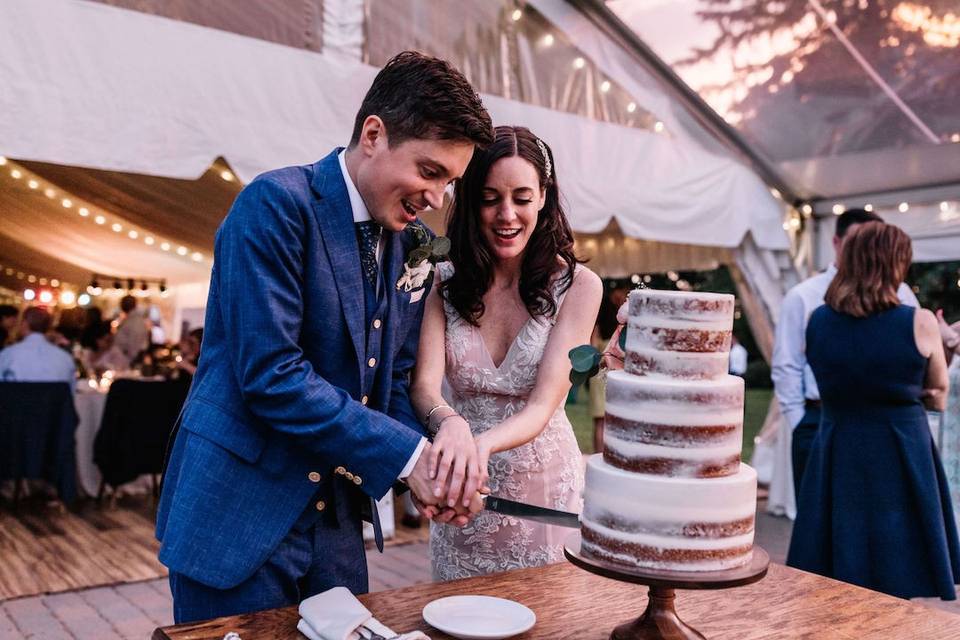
pixel 335 217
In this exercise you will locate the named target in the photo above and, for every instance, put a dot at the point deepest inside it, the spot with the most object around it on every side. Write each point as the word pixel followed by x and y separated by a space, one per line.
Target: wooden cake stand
pixel 660 621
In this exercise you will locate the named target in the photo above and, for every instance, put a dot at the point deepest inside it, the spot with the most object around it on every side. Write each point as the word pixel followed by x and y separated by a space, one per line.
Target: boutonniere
pixel 422 258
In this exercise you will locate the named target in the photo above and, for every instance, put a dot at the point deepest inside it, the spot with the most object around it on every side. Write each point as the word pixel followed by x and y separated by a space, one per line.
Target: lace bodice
pixel 546 471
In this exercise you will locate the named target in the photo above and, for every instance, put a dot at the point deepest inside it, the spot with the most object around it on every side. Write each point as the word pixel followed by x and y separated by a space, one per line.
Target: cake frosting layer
pixel 669 523
pixel 674 427
pixel 679 334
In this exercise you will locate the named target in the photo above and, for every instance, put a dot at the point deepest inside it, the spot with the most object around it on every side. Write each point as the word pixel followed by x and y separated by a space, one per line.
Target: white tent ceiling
pixel 101 88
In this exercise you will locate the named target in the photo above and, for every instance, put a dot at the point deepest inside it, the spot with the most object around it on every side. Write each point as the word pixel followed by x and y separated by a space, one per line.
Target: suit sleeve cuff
pixel 412 462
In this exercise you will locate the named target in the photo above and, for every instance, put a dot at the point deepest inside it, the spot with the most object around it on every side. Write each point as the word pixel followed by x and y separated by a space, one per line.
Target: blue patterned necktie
pixel 368 236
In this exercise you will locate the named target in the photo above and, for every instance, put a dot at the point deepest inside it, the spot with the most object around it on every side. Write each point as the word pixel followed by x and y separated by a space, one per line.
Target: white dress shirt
pixel 34 359
pixel 361 214
pixel 132 336
pixel 793 379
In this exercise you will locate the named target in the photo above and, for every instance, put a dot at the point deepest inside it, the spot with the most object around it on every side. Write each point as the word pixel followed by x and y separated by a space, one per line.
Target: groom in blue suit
pixel 299 414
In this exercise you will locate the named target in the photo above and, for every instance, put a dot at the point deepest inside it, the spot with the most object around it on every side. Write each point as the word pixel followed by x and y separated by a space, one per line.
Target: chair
pixel 37 436
pixel 137 421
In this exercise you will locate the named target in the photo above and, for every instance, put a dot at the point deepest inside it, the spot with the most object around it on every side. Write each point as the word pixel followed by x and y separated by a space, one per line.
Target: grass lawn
pixel 755 410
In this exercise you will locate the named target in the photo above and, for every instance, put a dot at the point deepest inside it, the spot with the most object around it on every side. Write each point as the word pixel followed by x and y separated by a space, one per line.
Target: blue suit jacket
pixel 276 394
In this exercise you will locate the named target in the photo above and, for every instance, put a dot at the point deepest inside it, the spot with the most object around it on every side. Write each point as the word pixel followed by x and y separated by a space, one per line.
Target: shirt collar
pixel 360 212
pixel 33 336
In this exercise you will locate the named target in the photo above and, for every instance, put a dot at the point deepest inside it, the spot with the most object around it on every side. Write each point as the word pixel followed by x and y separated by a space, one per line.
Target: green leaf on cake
pixel 623 339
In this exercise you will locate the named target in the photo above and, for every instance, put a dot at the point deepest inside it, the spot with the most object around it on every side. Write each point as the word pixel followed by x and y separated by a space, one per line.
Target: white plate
pixel 479 617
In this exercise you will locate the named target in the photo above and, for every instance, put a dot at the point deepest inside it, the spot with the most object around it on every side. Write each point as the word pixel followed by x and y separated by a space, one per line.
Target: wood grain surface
pixel 573 604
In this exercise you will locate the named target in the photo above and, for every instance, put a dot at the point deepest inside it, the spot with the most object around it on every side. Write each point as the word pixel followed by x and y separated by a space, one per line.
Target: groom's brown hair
pixel 419 96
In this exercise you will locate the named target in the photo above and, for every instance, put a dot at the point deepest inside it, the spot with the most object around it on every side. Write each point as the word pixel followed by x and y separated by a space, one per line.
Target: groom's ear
pixel 373 135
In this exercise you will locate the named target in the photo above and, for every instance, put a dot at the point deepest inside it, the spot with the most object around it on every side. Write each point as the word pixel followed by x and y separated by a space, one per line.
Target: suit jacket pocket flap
pixel 221 427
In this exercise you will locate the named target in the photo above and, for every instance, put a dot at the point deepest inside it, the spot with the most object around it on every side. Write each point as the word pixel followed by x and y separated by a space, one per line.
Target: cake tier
pixel 679 334
pixel 682 428
pixel 679 524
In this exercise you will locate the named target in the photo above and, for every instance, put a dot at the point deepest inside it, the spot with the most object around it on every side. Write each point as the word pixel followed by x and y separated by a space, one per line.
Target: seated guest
pixel 34 359
pixel 874 506
pixel 132 334
pixel 8 320
pixel 105 355
pixel 190 352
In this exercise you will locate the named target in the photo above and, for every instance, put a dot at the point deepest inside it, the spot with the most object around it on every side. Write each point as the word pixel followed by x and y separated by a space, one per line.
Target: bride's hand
pixel 454 463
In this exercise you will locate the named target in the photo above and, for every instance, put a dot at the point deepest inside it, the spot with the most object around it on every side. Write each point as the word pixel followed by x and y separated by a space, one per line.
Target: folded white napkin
pixel 336 614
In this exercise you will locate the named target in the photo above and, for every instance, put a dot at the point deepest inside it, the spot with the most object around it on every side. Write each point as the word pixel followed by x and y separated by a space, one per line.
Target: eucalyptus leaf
pixel 584 358
pixel 577 377
pixel 440 246
pixel 418 255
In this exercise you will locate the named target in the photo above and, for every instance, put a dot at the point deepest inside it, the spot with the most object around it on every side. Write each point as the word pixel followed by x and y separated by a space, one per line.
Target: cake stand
pixel 660 620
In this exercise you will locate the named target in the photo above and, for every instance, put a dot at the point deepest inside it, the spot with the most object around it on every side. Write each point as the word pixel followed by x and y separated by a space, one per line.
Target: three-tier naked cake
pixel 670 491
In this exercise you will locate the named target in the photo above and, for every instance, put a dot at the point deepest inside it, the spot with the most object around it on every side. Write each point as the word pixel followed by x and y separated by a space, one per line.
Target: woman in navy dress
pixel 874 506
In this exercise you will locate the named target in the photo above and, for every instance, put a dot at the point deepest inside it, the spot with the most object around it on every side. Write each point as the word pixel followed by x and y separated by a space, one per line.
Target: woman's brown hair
pixel 548 259
pixel 873 261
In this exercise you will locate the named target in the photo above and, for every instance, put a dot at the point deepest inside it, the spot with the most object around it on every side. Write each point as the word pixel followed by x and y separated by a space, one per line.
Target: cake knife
pixel 531 512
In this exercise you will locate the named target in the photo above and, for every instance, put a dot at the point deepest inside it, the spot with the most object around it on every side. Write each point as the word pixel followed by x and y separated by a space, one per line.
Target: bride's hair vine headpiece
pixel 547 166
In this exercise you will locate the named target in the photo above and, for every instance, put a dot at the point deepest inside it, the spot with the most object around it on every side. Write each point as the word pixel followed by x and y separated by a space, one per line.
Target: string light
pixel 631 107
pixel 67 203
pixel 605 86
pixel 838 209
pixel 165 246
pixel 83 299
pixel 83 211
pixel 117 227
pixel 16 174
pixel 54 283
pixel 903 207
pixel 50 193
pixel 658 127
pixel 182 251
pixel 868 207
pixel 100 220
pixel 226 175
pixel 579 63
pixel 133 235
pixel 33 184
pixel 807 209
pixel 68 297
pixel 197 256
pixel 148 241
pixel 516 15
pixel 46 297
pixel 548 40
pixel 3 160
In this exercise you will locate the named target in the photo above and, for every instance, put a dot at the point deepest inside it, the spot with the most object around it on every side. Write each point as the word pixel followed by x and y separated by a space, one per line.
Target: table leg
pixel 658 622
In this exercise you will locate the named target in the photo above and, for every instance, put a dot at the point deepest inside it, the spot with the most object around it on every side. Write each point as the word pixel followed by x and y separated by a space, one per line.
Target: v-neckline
pixel 513 343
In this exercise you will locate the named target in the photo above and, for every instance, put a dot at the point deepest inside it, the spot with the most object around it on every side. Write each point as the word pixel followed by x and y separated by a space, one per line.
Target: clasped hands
pixel 450 477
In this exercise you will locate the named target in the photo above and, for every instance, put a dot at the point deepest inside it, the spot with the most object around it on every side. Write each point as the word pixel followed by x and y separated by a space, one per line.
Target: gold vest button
pixel 364 399
pixel 349 475
pixel 372 362
pixel 321 505
pixel 313 476
pixel 357 480
pixel 340 470
pixel 377 323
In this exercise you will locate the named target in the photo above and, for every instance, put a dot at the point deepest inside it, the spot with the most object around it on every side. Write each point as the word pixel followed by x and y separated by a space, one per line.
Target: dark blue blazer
pixel 276 398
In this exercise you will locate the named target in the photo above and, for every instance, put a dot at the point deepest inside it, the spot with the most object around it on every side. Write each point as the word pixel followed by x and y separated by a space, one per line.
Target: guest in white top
pixel 793 380
pixel 738 357
pixel 34 359
pixel 132 334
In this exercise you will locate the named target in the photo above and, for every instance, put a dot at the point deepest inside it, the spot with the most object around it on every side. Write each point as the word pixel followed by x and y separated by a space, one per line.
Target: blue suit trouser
pixel 305 563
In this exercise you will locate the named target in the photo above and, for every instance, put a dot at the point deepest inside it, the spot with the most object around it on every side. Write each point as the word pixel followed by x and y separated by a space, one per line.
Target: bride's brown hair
pixel 549 251
pixel 873 261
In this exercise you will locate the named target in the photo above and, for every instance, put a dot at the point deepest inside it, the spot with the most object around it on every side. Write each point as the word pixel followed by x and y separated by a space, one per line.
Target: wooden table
pixel 575 605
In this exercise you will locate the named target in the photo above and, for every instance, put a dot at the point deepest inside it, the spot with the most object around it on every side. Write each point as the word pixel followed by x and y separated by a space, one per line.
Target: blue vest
pixel 375 308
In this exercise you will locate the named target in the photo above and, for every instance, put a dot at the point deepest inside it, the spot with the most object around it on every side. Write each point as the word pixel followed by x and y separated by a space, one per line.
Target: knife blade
pixel 531 512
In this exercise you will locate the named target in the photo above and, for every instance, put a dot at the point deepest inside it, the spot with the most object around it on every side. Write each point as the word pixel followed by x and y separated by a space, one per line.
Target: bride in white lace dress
pixel 497 329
